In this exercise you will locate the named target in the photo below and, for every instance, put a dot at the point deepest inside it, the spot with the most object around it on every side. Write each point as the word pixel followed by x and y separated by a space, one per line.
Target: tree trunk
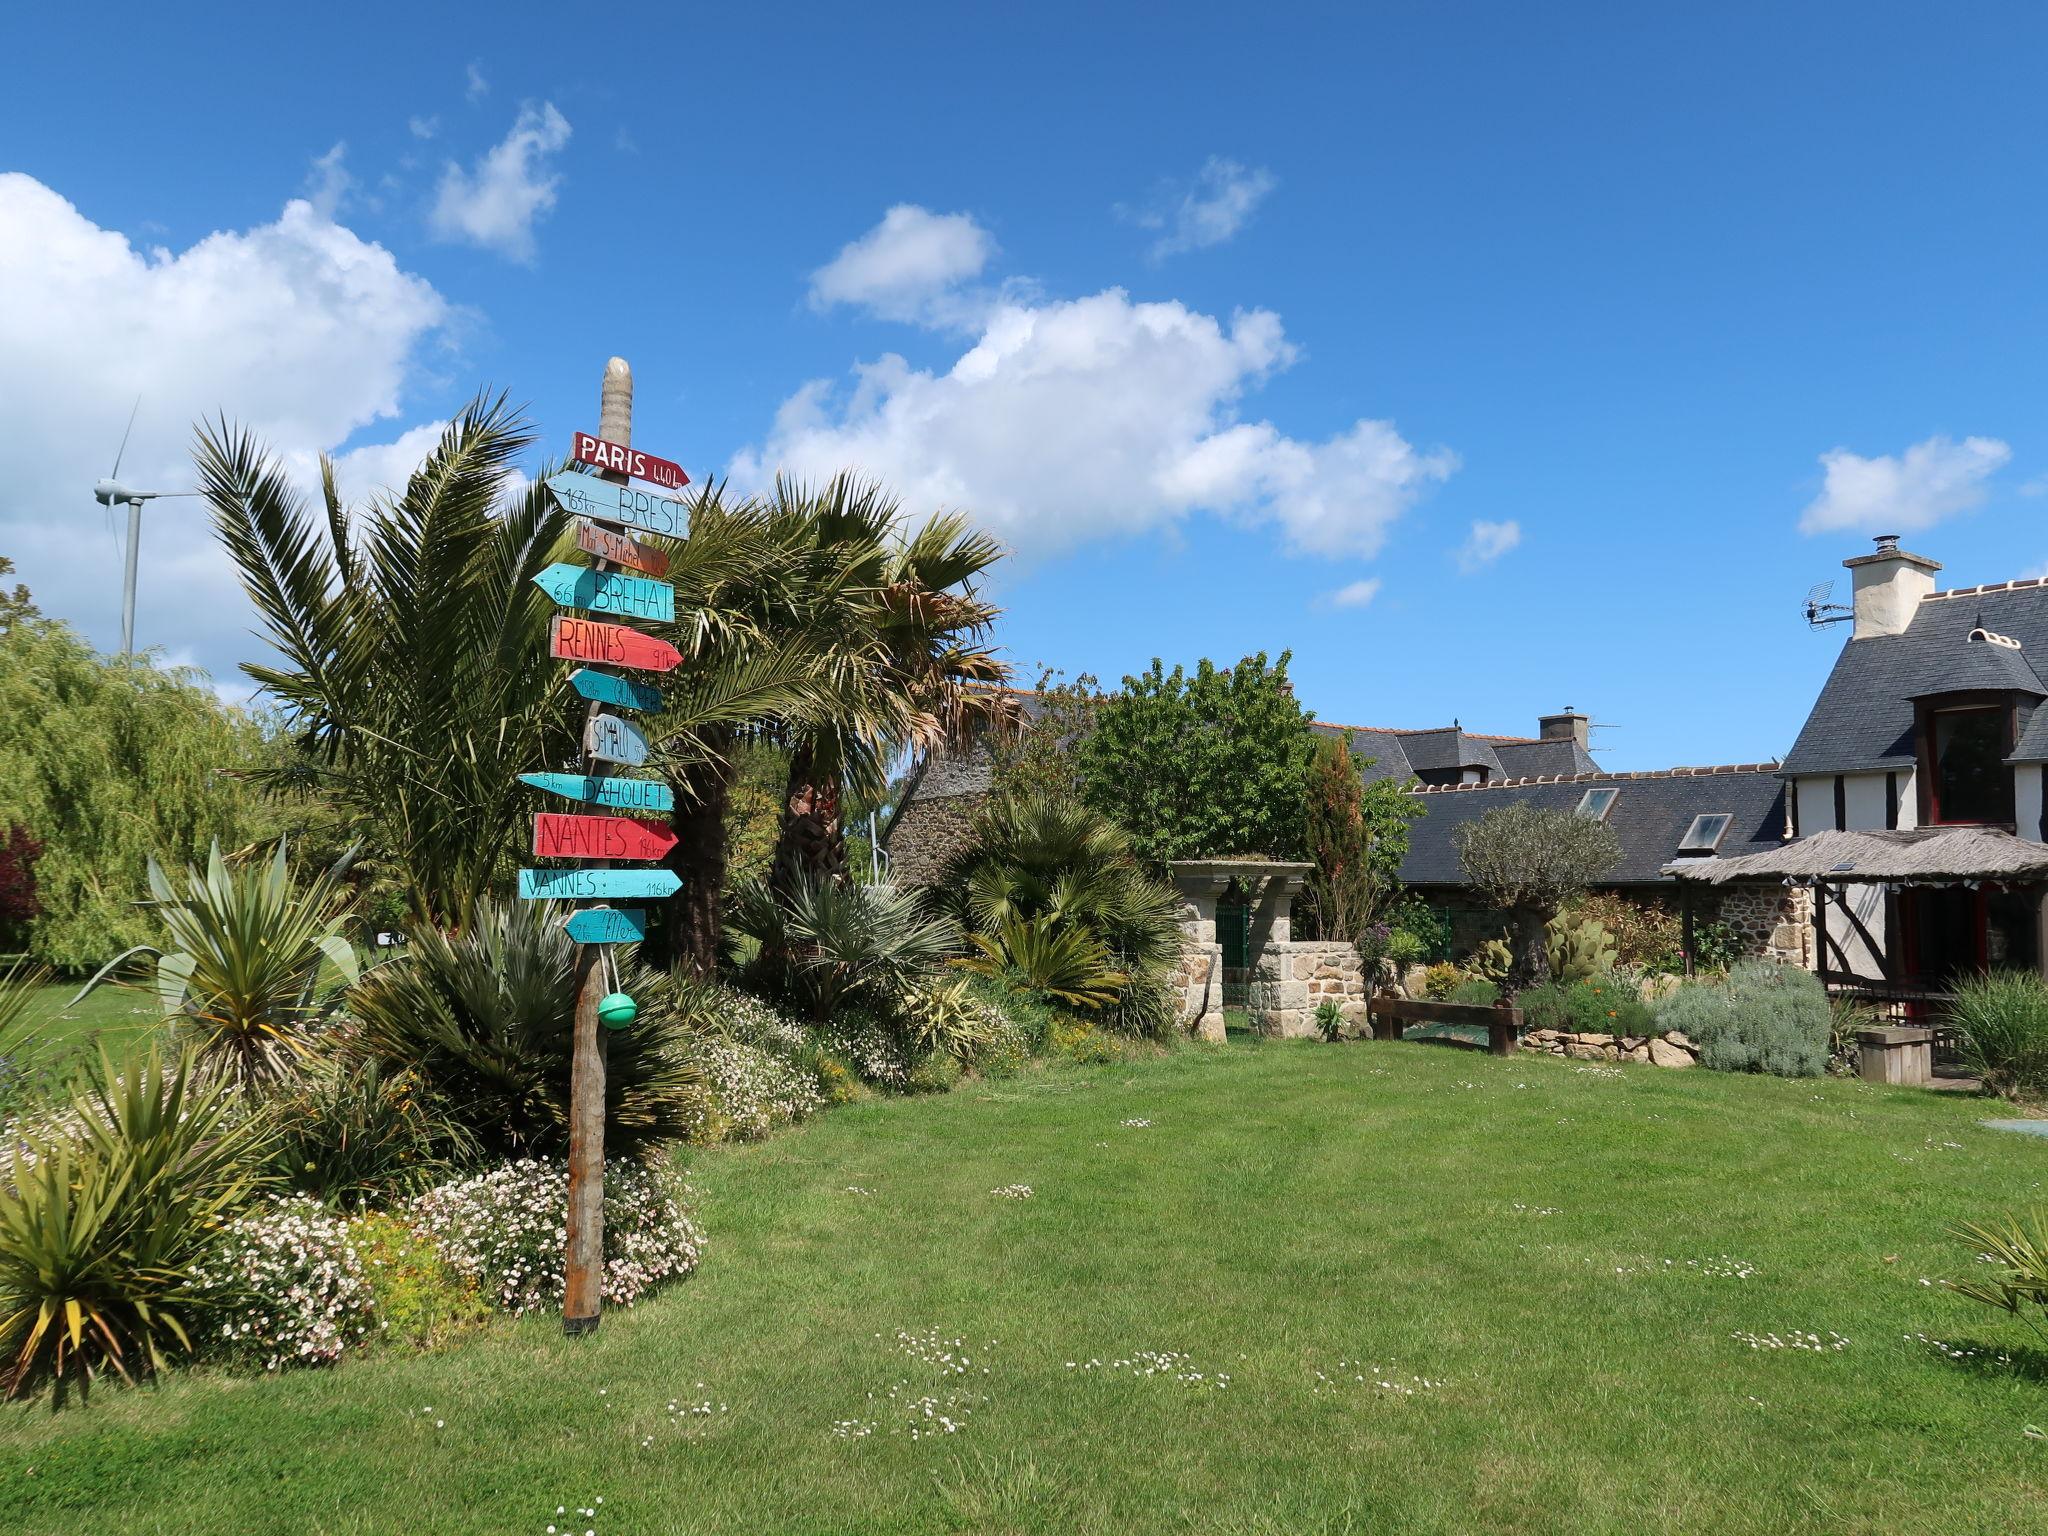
pixel 692 930
pixel 1532 951
pixel 812 843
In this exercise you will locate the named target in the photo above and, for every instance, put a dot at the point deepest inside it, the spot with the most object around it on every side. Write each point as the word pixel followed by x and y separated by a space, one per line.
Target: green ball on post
pixel 615 1010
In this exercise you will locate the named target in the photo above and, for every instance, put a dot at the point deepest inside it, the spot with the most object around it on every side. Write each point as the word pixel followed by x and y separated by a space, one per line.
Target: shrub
pixel 1763 1018
pixel 286 1285
pixel 104 1216
pixel 830 945
pixel 484 1020
pixel 503 1231
pixel 944 1016
pixel 1646 933
pixel 352 1133
pixel 421 1300
pixel 1475 991
pixel 1578 947
pixel 1405 949
pixel 1597 1005
pixel 2002 1020
pixel 934 1072
pixel 750 1091
pixel 1031 1017
pixel 1440 980
pixel 872 1045
pixel 1715 947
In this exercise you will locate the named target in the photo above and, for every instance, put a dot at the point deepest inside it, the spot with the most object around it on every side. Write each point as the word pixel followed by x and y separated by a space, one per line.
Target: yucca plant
pixel 240 971
pixel 482 1020
pixel 101 1221
pixel 2018 1279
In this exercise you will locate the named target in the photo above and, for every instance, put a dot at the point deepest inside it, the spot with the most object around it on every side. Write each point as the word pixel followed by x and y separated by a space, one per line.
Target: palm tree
pixel 900 629
pixel 414 662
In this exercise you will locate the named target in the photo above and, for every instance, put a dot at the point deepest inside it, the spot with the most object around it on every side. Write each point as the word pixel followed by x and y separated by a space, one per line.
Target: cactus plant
pixel 1579 948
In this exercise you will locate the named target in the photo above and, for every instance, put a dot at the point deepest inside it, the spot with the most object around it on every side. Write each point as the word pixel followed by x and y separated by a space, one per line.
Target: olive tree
pixel 1532 862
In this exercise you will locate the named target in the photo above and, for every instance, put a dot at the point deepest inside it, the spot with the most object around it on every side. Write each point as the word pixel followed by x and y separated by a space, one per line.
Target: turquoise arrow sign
pixel 606 689
pixel 631 505
pixel 626 597
pixel 612 740
pixel 618 793
pixel 595 884
pixel 608 925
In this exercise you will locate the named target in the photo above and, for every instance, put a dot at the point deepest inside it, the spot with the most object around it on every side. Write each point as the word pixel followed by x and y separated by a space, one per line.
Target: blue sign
pixel 608 592
pixel 596 884
pixel 606 689
pixel 612 740
pixel 629 505
pixel 620 794
pixel 608 925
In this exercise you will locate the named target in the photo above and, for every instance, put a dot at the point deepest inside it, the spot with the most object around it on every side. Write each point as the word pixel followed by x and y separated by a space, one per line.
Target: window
pixel 1594 804
pixel 1969 781
pixel 1705 833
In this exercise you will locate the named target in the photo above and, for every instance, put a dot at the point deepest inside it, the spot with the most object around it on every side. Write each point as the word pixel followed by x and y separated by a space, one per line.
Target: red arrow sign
pixel 602 453
pixel 556 836
pixel 572 639
pixel 602 542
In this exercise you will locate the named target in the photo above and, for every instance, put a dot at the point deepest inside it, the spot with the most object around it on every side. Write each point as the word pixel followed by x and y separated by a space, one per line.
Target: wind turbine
pixel 110 493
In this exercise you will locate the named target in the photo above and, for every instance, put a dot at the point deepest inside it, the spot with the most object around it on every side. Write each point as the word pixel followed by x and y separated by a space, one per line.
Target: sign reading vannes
pixel 602 453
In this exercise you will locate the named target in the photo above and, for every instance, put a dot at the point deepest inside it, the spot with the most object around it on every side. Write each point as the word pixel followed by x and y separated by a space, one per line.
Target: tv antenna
pixel 1820 613
pixel 111 493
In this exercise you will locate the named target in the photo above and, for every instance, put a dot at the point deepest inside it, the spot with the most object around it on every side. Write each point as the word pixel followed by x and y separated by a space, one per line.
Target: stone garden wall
pixel 1667 1050
pixel 1296 977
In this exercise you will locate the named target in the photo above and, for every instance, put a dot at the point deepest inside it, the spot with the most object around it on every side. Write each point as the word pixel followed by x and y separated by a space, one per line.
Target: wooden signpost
pixel 599 453
pixel 607 497
pixel 571 639
pixel 607 925
pixel 595 884
pixel 621 794
pixel 559 836
pixel 609 739
pixel 603 688
pixel 606 544
pixel 627 505
pixel 631 597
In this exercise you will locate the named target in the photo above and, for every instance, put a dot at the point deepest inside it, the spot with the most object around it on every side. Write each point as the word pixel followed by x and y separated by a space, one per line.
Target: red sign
pixel 619 549
pixel 557 836
pixel 572 639
pixel 602 453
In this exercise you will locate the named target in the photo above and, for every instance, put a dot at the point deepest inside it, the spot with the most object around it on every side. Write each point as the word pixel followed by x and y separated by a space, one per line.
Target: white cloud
pixel 1088 418
pixel 1354 595
pixel 328 183
pixel 474 86
pixel 299 329
pixel 1487 542
pixel 909 267
pixel 423 127
pixel 1930 481
pixel 497 204
pixel 1206 211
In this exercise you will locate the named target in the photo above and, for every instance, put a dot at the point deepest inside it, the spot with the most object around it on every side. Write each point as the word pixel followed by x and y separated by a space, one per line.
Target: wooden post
pixel 583 1263
pixel 1686 923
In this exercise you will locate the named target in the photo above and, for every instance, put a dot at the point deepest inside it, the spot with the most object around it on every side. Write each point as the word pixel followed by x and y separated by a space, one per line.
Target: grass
pixel 1426 1212
pixel 112 1013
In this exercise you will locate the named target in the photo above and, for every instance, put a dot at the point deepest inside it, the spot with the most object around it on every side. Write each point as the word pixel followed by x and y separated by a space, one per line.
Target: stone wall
pixel 1773 922
pixel 1297 976
pixel 926 835
pixel 1198 982
pixel 1667 1050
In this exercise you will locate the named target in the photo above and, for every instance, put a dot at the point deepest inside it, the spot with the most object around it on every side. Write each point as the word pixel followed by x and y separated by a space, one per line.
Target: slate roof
pixel 1863 719
pixel 1404 753
pixel 1651 812
pixel 1527 759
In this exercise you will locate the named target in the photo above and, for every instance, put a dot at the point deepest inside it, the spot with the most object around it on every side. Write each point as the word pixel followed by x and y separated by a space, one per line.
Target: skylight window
pixel 1705 833
pixel 1594 804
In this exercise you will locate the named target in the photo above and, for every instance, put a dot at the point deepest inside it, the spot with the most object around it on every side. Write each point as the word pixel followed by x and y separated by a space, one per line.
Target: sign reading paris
pixel 602 453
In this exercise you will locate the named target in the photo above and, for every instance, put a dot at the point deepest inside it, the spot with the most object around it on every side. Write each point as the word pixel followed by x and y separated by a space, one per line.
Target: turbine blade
pixel 124 438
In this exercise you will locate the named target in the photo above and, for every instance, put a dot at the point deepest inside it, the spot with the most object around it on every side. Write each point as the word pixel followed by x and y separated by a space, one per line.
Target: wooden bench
pixel 1503 1025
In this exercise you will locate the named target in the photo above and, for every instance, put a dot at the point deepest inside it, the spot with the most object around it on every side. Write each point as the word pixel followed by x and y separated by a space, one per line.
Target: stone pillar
pixel 1199 981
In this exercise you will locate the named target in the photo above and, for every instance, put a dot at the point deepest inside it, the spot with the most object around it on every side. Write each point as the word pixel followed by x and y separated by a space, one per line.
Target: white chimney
pixel 1889 586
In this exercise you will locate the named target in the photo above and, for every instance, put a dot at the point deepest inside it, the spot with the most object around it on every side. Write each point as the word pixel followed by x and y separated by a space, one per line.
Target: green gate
pixel 1234 934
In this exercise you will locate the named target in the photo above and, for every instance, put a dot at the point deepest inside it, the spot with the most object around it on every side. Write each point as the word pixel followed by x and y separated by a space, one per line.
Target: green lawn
pixel 108 1012
pixel 1498 1228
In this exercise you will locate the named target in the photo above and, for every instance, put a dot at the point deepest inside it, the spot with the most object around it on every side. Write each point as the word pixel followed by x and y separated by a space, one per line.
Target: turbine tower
pixel 110 493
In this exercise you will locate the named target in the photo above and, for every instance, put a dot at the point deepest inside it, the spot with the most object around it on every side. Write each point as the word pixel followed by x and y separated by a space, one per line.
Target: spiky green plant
pixel 2018 1278
pixel 1062 964
pixel 241 967
pixel 828 944
pixel 102 1217
pixel 2002 1022
pixel 482 1020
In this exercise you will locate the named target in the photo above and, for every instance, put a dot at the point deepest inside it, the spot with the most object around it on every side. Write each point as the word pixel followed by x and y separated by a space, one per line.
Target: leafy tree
pixel 1205 766
pixel 1532 862
pixel 107 763
pixel 1039 753
pixel 1357 836
pixel 19 851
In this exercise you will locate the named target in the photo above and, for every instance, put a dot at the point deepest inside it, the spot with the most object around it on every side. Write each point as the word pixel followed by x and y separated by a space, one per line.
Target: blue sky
pixel 1492 357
